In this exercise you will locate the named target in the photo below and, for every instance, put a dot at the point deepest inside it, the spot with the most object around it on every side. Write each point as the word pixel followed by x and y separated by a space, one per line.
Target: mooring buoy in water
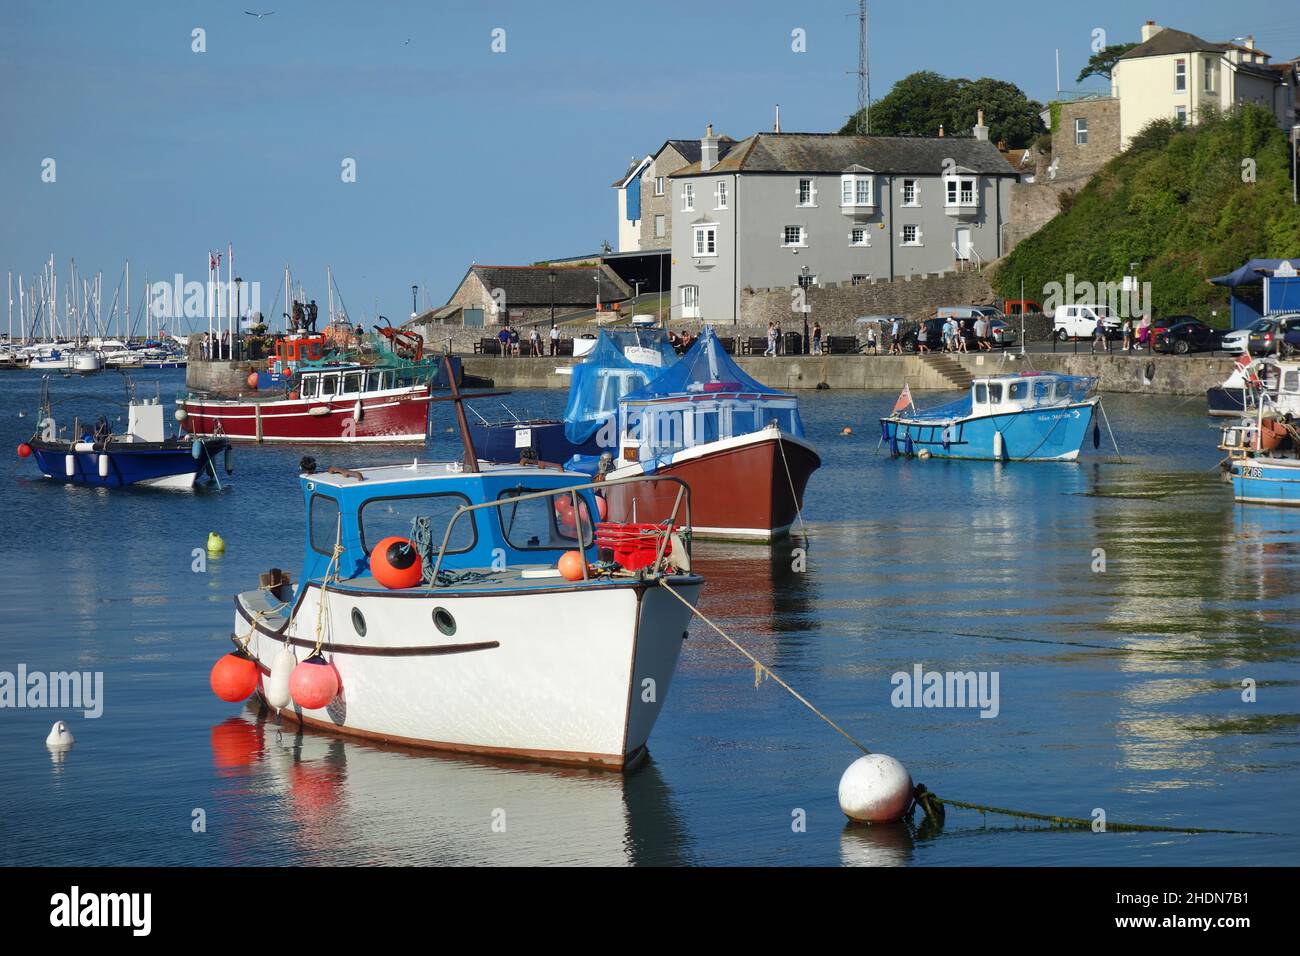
pixel 875 788
pixel 846 430
pixel 215 543
pixel 60 737
pixel 276 686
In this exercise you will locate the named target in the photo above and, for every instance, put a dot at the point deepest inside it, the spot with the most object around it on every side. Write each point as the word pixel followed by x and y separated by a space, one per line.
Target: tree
pixel 1102 63
pixel 922 102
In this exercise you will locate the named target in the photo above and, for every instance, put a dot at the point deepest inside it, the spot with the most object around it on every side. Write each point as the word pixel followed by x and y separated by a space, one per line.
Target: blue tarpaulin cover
pixel 705 364
pixel 606 375
pixel 1249 274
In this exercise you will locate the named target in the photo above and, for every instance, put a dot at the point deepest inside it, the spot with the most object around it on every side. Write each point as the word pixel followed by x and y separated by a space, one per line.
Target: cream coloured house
pixel 1176 75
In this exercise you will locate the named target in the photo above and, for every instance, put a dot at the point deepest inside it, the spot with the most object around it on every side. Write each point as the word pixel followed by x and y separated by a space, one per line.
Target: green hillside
pixel 1178 203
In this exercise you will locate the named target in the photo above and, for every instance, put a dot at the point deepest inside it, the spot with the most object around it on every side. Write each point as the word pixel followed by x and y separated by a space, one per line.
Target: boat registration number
pixel 1252 472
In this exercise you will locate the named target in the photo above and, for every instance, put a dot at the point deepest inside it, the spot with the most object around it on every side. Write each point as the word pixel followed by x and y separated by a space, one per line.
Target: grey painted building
pixel 789 209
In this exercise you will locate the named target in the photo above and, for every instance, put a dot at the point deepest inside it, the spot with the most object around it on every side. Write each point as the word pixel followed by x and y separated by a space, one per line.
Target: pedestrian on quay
pixel 1143 333
pixel 535 343
pixel 895 346
pixel 959 336
pixel 1128 334
pixel 555 340
pixel 514 341
pixel 503 337
pixel 1099 336
pixel 871 340
pixel 771 339
pixel 817 338
pixel 922 334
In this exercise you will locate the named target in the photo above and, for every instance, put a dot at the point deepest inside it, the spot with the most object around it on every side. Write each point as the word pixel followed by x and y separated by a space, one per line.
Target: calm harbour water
pixel 956 566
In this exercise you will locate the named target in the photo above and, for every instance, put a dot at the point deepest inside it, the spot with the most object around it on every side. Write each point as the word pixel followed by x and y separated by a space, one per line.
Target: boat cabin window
pixel 1291 380
pixel 323 523
pixel 329 385
pixel 380 381
pixel 1063 389
pixel 1018 391
pixel 1042 391
pixel 542 524
pixel 310 383
pixel 981 392
pixel 995 392
pixel 353 382
pixel 384 517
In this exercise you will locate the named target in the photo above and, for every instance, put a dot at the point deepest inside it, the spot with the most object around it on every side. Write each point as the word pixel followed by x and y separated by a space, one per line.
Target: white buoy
pixel 875 788
pixel 181 414
pixel 103 466
pixel 69 465
pixel 997 445
pixel 60 737
pixel 923 454
pixel 277 684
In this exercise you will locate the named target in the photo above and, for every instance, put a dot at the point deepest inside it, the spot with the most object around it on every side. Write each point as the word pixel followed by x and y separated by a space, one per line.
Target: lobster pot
pixel 69 465
pixel 103 466
pixel 633 545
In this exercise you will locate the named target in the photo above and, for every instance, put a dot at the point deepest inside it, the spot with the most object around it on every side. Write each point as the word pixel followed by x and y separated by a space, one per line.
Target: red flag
pixel 904 399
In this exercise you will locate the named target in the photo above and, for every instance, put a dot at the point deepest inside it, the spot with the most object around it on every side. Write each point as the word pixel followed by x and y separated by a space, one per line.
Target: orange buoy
pixel 233 677
pixel 24 450
pixel 313 683
pixel 602 507
pixel 564 506
pixel 252 380
pixel 395 565
pixel 571 565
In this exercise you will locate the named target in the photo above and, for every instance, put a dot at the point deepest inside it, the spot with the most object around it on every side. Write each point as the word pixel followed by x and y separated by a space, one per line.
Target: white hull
pixel 573 675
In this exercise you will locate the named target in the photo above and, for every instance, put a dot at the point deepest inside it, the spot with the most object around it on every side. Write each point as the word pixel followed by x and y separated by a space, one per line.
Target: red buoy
pixel 313 683
pixel 233 677
pixel 24 450
pixel 571 564
pixel 602 507
pixel 395 564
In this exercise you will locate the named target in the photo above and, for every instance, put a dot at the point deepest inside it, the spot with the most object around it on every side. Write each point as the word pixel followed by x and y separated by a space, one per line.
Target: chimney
pixel 980 130
pixel 1250 41
pixel 776 126
pixel 1150 29
pixel 708 150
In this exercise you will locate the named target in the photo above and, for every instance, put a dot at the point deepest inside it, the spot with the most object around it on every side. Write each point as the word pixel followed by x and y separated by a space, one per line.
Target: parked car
pixel 1185 337
pixel 1162 324
pixel 1238 340
pixel 1273 337
pixel 1000 333
pixel 971 312
pixel 1080 321
pixel 934 335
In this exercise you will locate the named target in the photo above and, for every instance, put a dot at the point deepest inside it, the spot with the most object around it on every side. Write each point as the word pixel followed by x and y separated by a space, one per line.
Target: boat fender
pixel 69 465
pixel 1096 434
pixel 233 677
pixel 907 445
pixel 395 564
pixel 181 414
pixel 357 411
pixel 923 454
pixel 276 685
pixel 313 683
pixel 103 466
pixel 196 449
pixel 998 447
pixel 229 458
pixel 24 450
pixel 318 410
pixel 875 789
pixel 84 446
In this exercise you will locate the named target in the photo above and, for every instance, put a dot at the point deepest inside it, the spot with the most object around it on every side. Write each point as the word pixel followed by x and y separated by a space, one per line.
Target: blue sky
pixel 462 154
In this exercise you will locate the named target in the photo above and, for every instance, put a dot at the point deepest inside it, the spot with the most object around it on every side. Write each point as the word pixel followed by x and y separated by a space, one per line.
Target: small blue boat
pixel 1028 416
pixel 142 456
pixel 1262 462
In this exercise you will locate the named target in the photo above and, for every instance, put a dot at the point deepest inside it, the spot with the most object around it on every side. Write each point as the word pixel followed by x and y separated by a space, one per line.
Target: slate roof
pixel 531 286
pixel 833 153
pixel 1168 42
pixel 690 148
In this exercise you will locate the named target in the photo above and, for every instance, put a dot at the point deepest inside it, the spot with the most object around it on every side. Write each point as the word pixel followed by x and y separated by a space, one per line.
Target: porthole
pixel 443 620
pixel 358 622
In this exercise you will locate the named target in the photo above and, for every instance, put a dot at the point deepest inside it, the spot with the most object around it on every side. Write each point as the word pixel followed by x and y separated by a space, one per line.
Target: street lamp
pixel 550 278
pixel 804 273
pixel 596 277
pixel 1295 160
pixel 414 310
pixel 636 293
pixel 239 314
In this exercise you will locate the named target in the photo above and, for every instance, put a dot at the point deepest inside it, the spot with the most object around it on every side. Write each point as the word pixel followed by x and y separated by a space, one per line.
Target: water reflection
pixel 337 800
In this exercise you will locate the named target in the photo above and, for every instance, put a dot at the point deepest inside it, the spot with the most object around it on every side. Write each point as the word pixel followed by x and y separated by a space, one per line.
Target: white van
pixel 1080 321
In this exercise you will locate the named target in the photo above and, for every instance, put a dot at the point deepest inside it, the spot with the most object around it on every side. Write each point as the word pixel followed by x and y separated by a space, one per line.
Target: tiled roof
pixel 690 148
pixel 833 153
pixel 1169 41
pixel 531 285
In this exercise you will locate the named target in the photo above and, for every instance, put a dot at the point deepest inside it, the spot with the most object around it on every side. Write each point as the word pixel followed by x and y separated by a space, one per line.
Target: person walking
pixel 959 336
pixel 895 347
pixel 871 340
pixel 1099 336
pixel 534 343
pixel 771 339
pixel 514 341
pixel 555 340
pixel 1143 333
pixel 1128 334
pixel 817 338
pixel 922 334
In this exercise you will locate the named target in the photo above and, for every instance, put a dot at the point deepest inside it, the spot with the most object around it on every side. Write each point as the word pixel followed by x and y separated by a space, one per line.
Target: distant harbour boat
pixel 1027 416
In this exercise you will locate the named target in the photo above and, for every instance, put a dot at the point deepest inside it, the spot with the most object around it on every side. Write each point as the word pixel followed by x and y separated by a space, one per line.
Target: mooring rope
pixel 798 509
pixel 930 802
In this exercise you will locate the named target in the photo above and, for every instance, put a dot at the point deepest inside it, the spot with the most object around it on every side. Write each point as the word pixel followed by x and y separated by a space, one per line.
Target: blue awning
pixel 1252 272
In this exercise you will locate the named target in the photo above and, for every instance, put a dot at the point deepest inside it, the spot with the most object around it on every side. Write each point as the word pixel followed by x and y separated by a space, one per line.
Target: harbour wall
pixel 1173 375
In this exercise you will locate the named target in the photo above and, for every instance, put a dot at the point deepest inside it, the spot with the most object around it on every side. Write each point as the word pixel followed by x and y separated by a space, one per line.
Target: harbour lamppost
pixel 550 279
pixel 804 271
pixel 239 309
pixel 414 292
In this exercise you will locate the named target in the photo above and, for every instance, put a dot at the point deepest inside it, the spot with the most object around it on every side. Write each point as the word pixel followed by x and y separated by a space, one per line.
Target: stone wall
pixel 1031 206
pixel 837 306
pixel 1075 162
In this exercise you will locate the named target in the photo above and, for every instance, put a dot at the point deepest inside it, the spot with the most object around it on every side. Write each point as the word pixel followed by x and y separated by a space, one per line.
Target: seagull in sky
pixel 259 15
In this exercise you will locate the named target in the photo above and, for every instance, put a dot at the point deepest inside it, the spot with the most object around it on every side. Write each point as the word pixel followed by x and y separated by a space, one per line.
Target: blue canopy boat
pixel 1027 416
pixel 621 361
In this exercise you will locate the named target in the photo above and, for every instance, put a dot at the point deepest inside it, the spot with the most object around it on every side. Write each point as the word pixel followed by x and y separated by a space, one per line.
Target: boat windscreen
pixel 706 367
